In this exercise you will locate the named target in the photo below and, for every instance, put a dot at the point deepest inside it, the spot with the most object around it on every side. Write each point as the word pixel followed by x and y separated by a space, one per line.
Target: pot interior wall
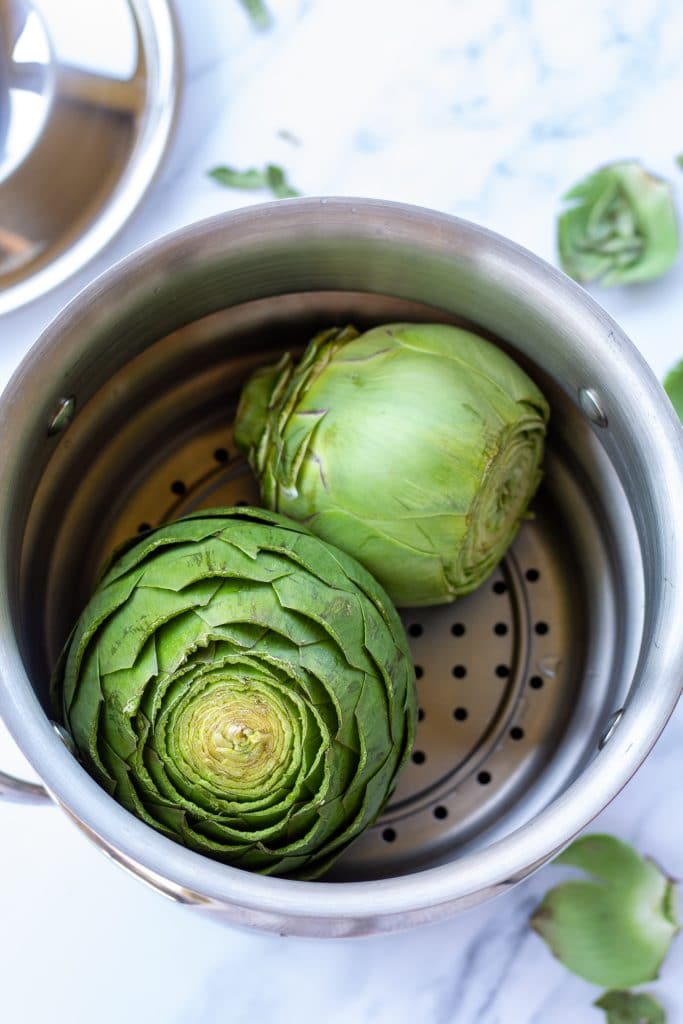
pixel 516 681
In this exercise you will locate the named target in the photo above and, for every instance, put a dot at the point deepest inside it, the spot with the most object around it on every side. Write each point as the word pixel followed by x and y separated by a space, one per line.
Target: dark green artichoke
pixel 414 447
pixel 244 688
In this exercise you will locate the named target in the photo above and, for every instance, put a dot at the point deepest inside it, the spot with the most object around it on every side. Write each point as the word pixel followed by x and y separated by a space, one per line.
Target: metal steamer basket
pixel 540 694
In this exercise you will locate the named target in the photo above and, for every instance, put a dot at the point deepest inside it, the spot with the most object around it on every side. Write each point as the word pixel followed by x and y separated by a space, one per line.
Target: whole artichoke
pixel 414 447
pixel 244 688
pixel 620 226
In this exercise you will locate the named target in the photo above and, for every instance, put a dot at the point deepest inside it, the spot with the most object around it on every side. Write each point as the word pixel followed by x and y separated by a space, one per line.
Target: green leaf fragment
pixel 620 226
pixel 232 178
pixel 673 385
pixel 258 13
pixel 631 1008
pixel 614 931
pixel 272 177
pixel 278 184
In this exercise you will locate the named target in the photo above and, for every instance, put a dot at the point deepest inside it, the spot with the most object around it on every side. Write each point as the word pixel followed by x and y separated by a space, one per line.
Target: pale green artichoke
pixel 414 447
pixel 244 688
pixel 620 226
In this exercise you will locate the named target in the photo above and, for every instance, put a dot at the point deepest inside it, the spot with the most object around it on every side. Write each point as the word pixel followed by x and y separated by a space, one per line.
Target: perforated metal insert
pixel 493 672
pixel 516 681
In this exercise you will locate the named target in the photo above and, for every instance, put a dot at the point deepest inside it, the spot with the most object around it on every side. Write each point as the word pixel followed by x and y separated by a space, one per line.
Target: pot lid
pixel 87 100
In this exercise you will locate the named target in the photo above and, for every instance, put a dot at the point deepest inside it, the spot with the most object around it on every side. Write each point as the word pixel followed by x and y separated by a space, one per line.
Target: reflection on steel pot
pixel 539 694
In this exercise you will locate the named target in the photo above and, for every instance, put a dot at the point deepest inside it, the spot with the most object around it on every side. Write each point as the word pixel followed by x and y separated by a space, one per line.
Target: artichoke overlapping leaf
pixel 414 447
pixel 244 688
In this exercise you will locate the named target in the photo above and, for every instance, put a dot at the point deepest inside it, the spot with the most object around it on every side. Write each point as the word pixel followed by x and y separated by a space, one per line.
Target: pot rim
pixel 506 860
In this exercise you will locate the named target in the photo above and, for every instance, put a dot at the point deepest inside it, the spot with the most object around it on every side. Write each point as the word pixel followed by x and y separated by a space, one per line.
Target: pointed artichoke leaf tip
pixel 254 404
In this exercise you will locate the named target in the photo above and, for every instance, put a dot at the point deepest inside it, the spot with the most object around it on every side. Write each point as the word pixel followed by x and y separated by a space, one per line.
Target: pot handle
pixel 20 792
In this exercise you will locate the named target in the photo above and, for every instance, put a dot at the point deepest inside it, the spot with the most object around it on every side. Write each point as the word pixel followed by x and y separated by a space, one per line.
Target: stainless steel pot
pixel 540 694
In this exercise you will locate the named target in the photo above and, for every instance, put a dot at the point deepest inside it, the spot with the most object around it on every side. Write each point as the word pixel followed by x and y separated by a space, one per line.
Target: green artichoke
pixel 244 688
pixel 620 227
pixel 414 447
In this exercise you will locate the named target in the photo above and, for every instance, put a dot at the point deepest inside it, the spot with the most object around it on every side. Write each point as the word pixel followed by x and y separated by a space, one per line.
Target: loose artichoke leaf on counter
pixel 631 1008
pixel 615 930
pixel 272 177
pixel 619 227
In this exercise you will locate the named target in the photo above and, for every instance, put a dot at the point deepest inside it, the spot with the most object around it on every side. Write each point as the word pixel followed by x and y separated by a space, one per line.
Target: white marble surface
pixel 488 110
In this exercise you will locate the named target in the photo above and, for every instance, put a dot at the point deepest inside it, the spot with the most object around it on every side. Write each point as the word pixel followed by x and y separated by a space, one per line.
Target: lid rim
pixel 156 29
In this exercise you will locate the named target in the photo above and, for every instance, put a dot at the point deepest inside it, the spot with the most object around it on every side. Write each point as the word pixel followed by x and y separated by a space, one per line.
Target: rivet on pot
pixel 62 416
pixel 65 737
pixel 590 403
pixel 612 723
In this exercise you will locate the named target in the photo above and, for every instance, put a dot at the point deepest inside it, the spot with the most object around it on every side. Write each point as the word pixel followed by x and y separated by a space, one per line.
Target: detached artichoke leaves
pixel 620 226
pixel 614 931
